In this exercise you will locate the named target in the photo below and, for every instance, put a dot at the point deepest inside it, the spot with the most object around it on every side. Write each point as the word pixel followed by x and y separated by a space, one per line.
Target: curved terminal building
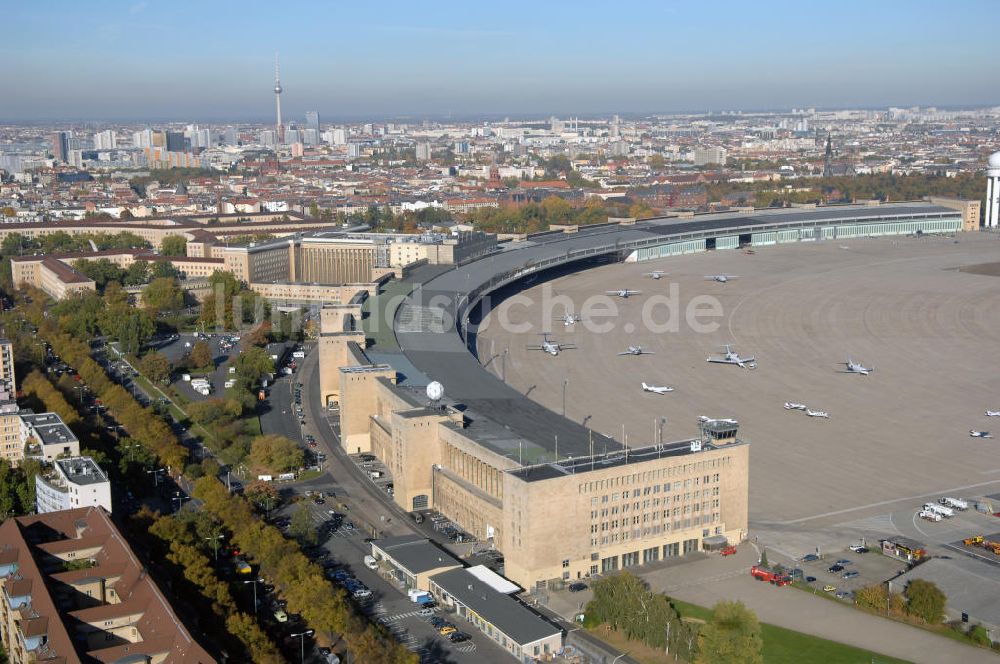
pixel 559 501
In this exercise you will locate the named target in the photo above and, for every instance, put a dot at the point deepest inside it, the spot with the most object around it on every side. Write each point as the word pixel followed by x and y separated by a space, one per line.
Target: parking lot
pixel 845 571
pixel 343 547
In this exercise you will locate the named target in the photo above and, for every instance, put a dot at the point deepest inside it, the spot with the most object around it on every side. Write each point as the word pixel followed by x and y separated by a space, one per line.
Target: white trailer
pixel 946 512
pixel 956 503
pixel 929 515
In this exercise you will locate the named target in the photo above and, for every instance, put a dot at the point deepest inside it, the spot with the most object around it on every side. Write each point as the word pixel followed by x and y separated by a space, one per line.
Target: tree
pixel 301 526
pixel 201 355
pixel 102 271
pixel 925 600
pixel 252 364
pixel 163 294
pixel 732 636
pixel 163 269
pixel 276 453
pixel 174 245
pixel 155 366
pixel 137 273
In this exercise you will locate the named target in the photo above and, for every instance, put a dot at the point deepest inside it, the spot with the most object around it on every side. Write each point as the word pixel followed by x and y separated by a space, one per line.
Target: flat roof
pixel 82 471
pixel 524 430
pixel 416 554
pixel 49 428
pixel 505 613
pixel 494 580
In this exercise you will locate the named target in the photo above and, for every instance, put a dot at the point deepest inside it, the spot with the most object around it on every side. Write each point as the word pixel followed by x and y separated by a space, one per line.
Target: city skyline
pixel 95 63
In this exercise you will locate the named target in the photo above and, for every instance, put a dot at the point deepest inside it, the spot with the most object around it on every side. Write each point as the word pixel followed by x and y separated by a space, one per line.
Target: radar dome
pixel 994 161
pixel 435 391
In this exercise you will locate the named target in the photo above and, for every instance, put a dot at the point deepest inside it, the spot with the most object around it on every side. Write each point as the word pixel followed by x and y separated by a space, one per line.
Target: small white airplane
pixel 551 347
pixel 980 434
pixel 794 406
pixel 817 413
pixel 657 274
pixel 721 278
pixel 624 293
pixel 993 413
pixel 732 357
pixel 857 367
pixel 656 390
pixel 637 350
pixel 571 319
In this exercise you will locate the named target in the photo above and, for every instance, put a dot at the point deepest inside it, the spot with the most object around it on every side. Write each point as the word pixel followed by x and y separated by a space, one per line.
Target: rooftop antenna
pixel 590 432
pixel 557 448
pixel 435 391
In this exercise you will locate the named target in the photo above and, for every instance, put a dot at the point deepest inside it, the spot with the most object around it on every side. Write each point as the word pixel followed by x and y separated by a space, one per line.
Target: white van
pixel 370 562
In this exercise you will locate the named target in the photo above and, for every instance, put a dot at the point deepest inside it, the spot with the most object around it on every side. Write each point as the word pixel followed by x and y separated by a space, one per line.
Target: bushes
pixel 925 601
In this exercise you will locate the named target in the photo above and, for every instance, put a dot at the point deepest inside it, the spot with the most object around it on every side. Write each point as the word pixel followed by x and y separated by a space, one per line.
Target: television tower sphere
pixel 277 89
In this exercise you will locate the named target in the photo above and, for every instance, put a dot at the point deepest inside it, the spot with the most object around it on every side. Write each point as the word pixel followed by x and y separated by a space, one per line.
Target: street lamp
pixel 565 383
pixel 156 475
pixel 302 642
pixel 215 544
pixel 254 582
pixel 180 498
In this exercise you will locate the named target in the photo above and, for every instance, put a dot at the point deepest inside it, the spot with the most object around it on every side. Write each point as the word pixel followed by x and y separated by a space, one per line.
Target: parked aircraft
pixel 794 406
pixel 551 347
pixel 721 278
pixel 817 413
pixel 993 413
pixel 657 274
pixel 857 367
pixel 704 419
pixel 657 390
pixel 980 434
pixel 571 319
pixel 624 293
pixel 732 357
pixel 636 350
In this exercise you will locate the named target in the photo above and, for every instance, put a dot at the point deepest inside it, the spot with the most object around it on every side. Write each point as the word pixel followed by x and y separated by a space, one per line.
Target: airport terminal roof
pixel 426 332
pixel 416 554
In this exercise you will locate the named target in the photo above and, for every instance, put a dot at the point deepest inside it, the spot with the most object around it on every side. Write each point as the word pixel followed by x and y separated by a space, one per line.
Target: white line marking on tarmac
pixel 941 492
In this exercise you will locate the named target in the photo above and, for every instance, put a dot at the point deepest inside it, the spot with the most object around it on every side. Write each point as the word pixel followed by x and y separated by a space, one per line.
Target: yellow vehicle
pixel 446 630
pixel 281 616
pixel 972 541
pixel 242 566
pixel 828 588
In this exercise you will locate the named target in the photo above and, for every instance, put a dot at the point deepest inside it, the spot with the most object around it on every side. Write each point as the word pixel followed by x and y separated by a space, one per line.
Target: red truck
pixel 774 578
pixel 728 550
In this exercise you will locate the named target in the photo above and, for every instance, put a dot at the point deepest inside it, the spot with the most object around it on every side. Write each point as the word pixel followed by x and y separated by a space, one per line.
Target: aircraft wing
pixel 647 352
pixel 567 346
pixel 533 347
pixel 720 360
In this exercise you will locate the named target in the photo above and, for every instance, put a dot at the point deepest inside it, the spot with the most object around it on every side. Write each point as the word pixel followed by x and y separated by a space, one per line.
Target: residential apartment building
pixel 71 483
pixel 74 592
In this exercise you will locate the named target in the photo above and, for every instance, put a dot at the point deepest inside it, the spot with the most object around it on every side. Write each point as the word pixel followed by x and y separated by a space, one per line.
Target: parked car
pixel 809 558
pixel 843 561
pixel 447 629
pixel 458 637
pixel 852 574
pixel 577 587
pixel 810 579
pixel 858 548
pixel 828 588
pixel 425 612
pixel 836 568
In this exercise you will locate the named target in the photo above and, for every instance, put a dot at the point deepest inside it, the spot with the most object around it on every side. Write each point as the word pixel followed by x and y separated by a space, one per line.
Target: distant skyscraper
pixel 339 137
pixel 423 151
pixel 60 145
pixel 142 139
pixel 175 141
pixel 279 128
pixel 229 136
pixel 312 120
pixel 105 140
pixel 828 158
pixel 993 191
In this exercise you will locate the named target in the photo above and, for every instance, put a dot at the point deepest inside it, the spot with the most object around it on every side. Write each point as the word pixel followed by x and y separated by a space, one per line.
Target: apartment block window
pixel 566 562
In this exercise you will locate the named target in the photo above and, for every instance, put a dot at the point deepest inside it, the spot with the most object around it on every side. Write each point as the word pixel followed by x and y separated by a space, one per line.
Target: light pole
pixel 302 643
pixel 180 498
pixel 254 582
pixel 156 475
pixel 215 544
pixel 565 383
pixel 503 364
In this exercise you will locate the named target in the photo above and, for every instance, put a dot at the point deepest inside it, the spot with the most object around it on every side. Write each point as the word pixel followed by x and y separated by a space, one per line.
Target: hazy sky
pixel 213 59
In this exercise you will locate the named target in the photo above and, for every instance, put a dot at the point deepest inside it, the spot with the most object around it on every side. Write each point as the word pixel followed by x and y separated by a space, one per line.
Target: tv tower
pixel 277 100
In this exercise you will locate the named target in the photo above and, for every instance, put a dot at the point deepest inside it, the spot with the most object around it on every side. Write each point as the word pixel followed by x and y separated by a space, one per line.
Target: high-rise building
pixel 229 136
pixel 339 136
pixel 7 367
pixel 310 136
pixel 713 155
pixel 268 138
pixel 423 151
pixel 142 139
pixel 993 191
pixel 312 120
pixel 60 145
pixel 292 136
pixel 105 140
pixel 175 141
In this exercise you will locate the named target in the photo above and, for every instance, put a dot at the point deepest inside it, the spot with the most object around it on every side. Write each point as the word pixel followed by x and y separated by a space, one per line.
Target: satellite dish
pixel 435 391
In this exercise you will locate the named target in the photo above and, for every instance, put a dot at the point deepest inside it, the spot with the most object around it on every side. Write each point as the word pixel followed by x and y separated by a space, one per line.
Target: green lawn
pixel 784 645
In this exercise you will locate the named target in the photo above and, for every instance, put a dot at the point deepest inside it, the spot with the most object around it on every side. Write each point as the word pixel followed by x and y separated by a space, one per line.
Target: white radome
pixel 994 160
pixel 435 391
